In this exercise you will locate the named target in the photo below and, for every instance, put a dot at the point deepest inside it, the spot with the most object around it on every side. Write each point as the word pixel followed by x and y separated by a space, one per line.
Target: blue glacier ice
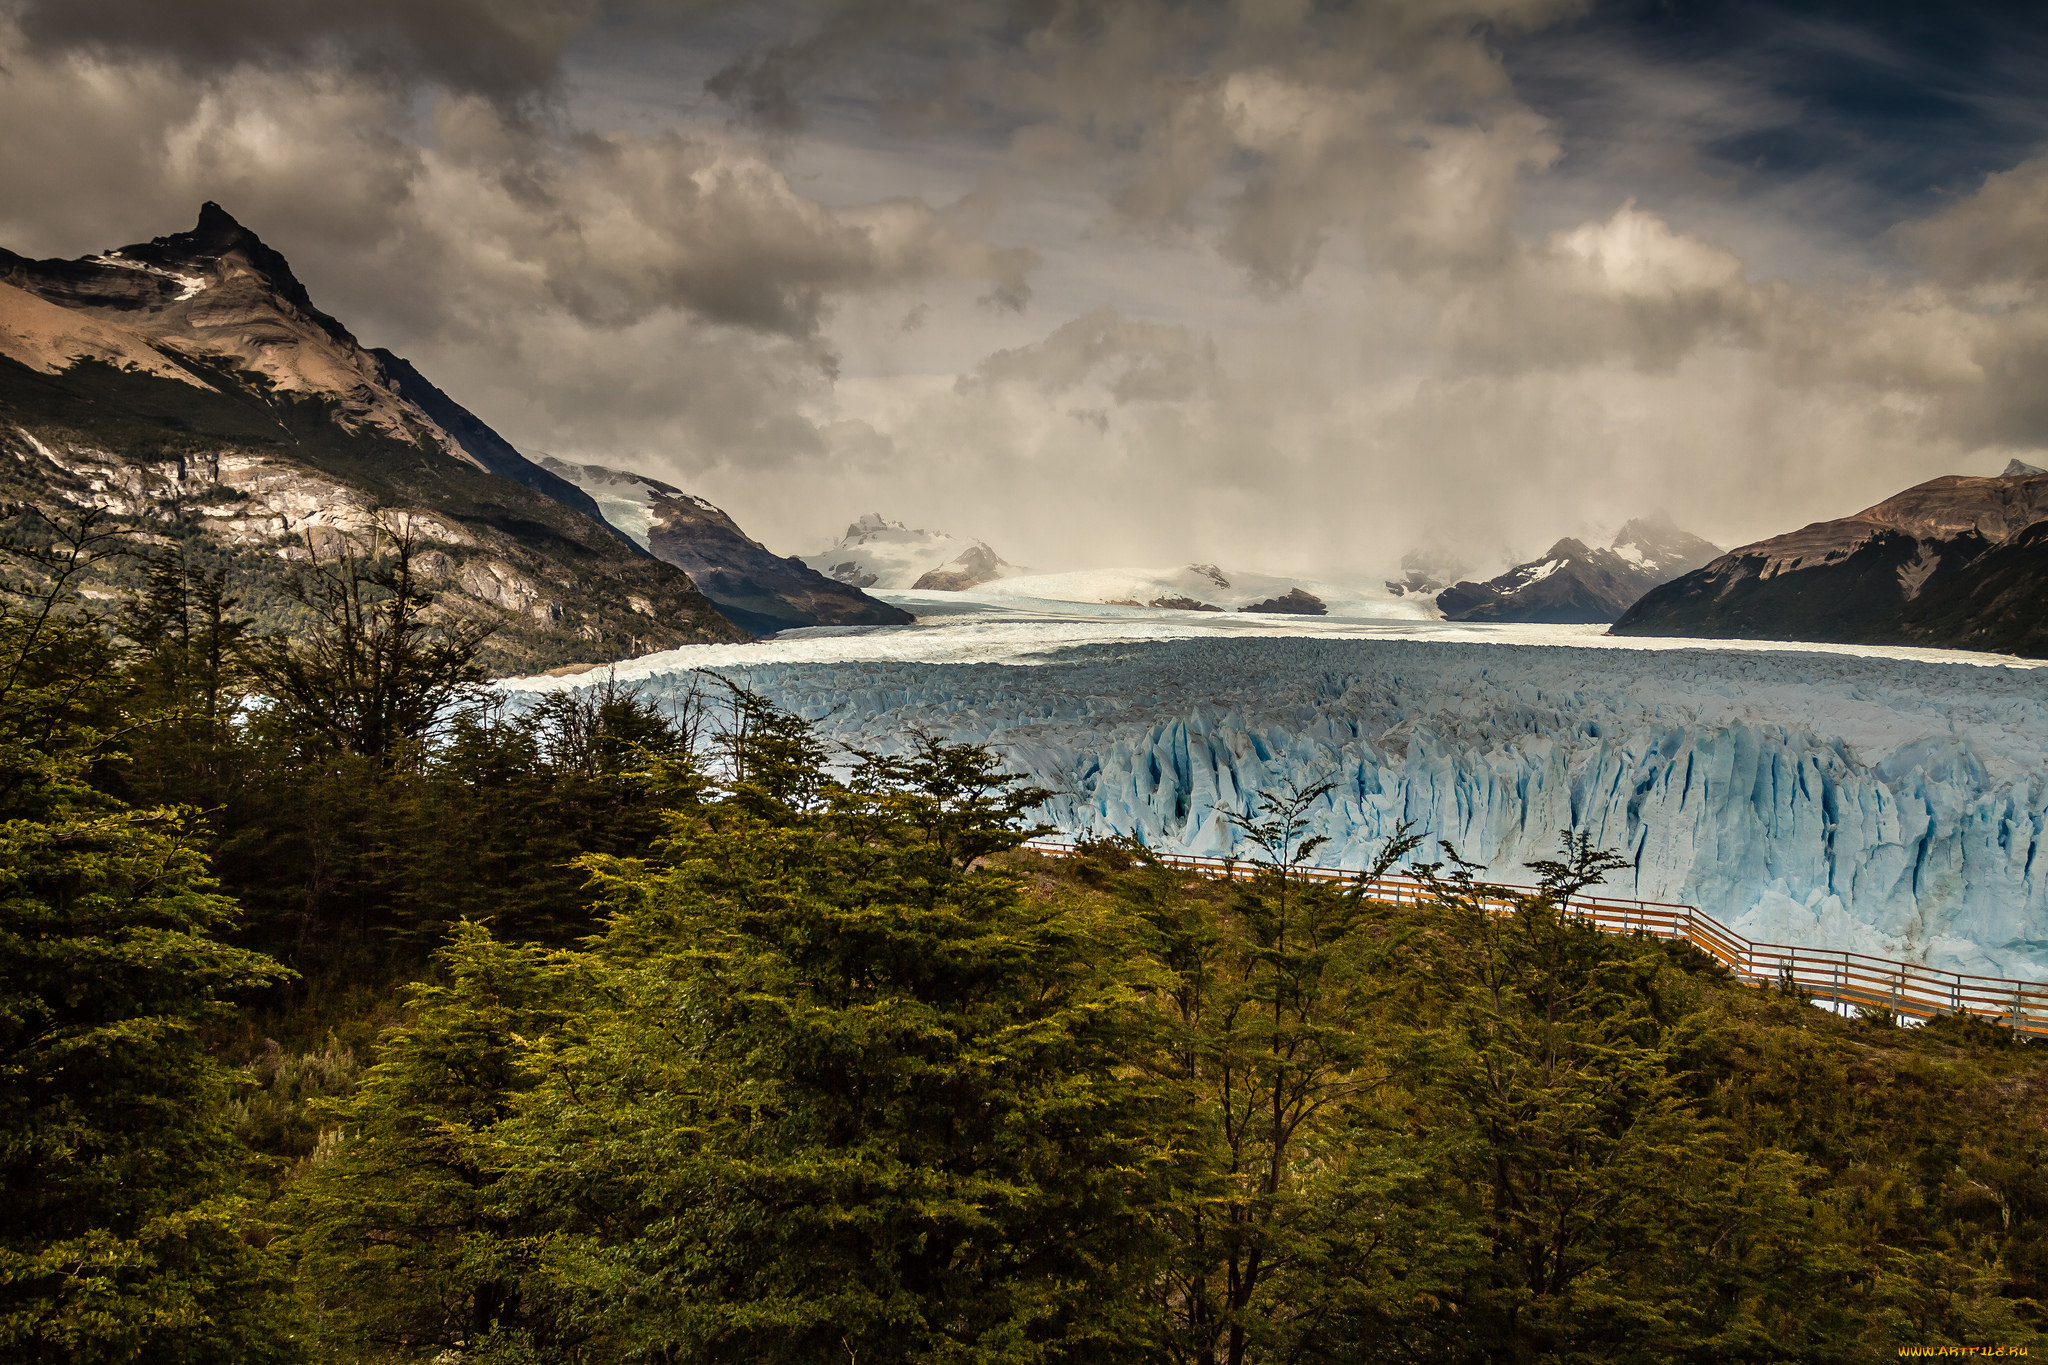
pixel 1885 805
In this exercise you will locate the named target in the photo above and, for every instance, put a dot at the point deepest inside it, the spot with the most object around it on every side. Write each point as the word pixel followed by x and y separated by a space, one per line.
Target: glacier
pixel 1829 799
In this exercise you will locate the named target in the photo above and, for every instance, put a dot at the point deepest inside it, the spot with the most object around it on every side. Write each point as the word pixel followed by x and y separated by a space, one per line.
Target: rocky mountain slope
pixel 878 553
pixel 188 388
pixel 750 584
pixel 1956 561
pixel 1573 584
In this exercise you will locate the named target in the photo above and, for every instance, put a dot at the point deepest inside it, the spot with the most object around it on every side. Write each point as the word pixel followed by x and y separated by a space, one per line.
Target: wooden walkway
pixel 1905 988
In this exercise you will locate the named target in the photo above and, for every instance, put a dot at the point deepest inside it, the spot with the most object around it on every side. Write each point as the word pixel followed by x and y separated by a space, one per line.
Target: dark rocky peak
pixel 164 272
pixel 219 237
pixel 1575 584
pixel 216 234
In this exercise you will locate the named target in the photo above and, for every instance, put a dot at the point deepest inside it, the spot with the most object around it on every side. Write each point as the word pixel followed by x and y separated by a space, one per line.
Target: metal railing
pixel 1907 989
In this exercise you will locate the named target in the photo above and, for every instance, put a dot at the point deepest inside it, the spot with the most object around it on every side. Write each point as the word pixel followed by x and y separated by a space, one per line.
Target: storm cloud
pixel 497 47
pixel 1290 284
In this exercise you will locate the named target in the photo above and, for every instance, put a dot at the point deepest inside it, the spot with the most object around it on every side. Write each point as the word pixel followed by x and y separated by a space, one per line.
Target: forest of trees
pixel 351 1013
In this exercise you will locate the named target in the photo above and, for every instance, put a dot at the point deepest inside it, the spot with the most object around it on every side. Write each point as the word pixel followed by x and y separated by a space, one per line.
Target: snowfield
pixel 1228 590
pixel 1889 801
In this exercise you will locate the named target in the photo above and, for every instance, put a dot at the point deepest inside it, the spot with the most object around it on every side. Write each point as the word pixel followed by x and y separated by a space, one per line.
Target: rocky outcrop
pixel 974 566
pixel 1293 602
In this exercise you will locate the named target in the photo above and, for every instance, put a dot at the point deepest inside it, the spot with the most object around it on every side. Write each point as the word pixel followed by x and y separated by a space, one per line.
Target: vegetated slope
pixel 1955 561
pixel 1573 584
pixel 262 433
pixel 750 583
pixel 878 553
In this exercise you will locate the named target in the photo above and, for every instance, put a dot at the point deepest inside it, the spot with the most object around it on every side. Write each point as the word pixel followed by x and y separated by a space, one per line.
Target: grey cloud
pixel 496 47
pixel 125 153
pixel 766 83
pixel 1390 121
pixel 670 396
pixel 1339 330
pixel 1132 361
pixel 620 226
pixel 1628 288
pixel 1998 235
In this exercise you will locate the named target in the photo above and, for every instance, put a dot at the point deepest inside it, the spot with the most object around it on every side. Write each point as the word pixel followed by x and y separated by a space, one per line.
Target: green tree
pixel 372 667
pixel 400 1233
pixel 1620 1220
pixel 122 1239
pixel 832 1088
pixel 1272 1037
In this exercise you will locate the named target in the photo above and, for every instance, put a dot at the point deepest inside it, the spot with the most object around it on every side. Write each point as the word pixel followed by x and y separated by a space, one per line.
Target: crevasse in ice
pixel 1882 805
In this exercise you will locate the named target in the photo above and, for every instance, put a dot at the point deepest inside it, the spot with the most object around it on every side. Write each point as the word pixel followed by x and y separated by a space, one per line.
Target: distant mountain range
pixel 750 584
pixel 878 553
pixel 188 387
pixel 1209 588
pixel 1956 561
pixel 1573 584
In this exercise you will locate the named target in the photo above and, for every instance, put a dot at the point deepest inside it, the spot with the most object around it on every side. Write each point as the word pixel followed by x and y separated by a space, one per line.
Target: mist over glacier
pixel 1822 799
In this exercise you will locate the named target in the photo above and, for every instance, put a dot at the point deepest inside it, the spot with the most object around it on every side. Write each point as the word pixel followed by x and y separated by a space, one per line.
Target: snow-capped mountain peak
pixel 1573 582
pixel 879 553
pixel 1657 545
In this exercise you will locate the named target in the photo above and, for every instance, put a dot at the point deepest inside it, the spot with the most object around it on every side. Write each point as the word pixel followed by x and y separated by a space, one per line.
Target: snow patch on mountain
pixel 628 500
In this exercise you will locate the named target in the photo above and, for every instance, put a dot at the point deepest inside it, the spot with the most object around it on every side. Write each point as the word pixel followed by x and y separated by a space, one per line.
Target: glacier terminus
pixel 1888 805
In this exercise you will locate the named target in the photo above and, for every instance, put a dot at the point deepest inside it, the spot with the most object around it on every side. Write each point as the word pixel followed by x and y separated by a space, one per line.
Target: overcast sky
pixel 1279 284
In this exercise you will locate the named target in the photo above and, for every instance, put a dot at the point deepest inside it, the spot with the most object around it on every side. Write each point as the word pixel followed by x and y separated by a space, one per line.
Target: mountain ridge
pixel 267 431
pixel 1954 560
pixel 750 584
pixel 1574 584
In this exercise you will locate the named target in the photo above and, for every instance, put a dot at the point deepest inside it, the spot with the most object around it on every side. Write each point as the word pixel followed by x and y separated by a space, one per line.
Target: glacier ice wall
pixel 1819 799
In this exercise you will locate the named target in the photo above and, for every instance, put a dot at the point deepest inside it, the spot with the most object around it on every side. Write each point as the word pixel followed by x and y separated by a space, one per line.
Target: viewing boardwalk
pixel 1907 989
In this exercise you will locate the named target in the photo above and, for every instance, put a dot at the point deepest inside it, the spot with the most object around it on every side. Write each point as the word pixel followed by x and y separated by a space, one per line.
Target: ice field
pixel 1890 801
